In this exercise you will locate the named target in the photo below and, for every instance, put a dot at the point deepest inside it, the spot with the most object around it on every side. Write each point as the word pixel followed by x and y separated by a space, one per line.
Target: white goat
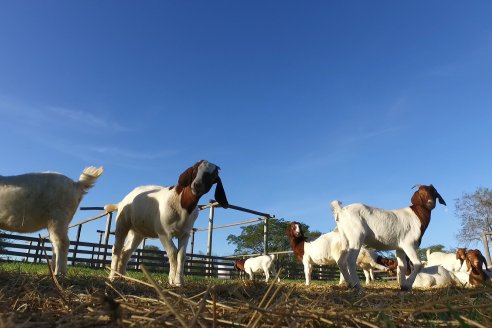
pixel 164 213
pixel 434 276
pixel 35 201
pixel 400 229
pixel 259 264
pixel 450 261
pixel 325 250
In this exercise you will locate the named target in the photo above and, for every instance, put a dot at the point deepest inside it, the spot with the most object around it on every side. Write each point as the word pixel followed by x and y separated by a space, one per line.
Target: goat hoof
pixel 404 288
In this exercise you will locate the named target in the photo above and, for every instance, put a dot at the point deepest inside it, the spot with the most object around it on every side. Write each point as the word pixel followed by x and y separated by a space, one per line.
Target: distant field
pixel 30 298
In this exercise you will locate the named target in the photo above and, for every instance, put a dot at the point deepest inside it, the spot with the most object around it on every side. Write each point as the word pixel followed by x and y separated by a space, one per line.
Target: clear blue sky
pixel 299 103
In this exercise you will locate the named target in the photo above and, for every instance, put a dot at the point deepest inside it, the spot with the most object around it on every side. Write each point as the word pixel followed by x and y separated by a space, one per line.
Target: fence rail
pixel 21 248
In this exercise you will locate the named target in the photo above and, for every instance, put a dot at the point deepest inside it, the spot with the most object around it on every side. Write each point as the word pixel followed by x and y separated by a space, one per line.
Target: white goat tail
pixel 336 207
pixel 110 207
pixel 89 176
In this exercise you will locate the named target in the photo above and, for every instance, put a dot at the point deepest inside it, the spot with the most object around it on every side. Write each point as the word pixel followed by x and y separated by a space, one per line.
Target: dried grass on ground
pixel 34 300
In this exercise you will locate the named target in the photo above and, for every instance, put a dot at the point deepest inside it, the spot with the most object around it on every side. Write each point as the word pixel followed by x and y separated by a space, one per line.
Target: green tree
pixel 422 252
pixel 251 238
pixel 475 213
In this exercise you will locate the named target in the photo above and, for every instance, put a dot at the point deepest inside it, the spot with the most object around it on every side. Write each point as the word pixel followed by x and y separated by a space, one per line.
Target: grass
pixel 29 298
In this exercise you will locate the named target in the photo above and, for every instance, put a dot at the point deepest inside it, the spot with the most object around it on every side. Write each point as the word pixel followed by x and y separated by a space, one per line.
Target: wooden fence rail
pixel 21 248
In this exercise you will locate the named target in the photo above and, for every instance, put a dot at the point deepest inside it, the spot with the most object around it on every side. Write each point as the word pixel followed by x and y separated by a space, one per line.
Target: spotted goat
pixel 164 213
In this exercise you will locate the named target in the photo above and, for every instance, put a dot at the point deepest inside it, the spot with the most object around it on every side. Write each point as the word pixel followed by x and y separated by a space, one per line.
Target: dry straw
pixel 36 300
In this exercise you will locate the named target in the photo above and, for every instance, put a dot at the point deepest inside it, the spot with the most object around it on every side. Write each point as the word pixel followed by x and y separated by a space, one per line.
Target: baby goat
pixel 450 261
pixel 400 229
pixel 435 276
pixel 475 262
pixel 35 201
pixel 258 264
pixel 323 251
pixel 164 213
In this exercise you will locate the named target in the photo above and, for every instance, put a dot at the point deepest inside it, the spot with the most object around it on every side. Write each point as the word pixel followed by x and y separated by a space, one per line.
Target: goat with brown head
pixel 196 181
pixel 474 262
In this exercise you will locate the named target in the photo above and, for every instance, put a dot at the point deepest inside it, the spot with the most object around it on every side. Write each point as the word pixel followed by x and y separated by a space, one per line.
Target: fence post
pixel 192 249
pixel 79 229
pixel 265 236
pixel 210 231
pixel 95 264
pixel 106 238
pixel 29 251
pixel 486 247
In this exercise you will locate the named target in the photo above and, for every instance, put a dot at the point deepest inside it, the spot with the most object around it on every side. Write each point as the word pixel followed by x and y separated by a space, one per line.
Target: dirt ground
pixel 36 300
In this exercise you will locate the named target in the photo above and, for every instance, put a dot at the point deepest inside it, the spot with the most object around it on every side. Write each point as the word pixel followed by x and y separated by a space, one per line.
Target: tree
pixel 251 238
pixel 475 212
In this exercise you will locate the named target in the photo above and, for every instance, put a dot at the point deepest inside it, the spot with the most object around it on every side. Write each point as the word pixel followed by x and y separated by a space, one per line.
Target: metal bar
pixel 97 208
pixel 237 208
pixel 231 224
pixel 29 251
pixel 75 248
pixel 85 221
pixel 106 238
pixel 486 246
pixel 192 249
pixel 265 236
pixel 210 230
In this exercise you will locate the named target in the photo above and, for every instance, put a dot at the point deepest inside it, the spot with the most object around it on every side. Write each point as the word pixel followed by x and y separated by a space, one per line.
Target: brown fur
pixel 422 207
pixel 296 242
pixel 461 254
pixel 475 261
pixel 392 265
pixel 239 265
pixel 189 201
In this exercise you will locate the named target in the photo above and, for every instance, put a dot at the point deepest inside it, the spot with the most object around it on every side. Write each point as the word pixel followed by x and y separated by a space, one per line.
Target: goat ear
pixel 441 200
pixel 220 195
pixel 186 178
pixel 416 199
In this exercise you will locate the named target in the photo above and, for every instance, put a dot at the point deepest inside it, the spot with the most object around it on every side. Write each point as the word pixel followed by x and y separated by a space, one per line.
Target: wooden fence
pixel 21 248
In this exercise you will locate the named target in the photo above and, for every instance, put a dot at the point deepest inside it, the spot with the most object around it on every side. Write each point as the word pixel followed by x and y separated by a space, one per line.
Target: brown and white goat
pixel 400 230
pixel 450 261
pixel 164 213
pixel 324 250
pixel 475 262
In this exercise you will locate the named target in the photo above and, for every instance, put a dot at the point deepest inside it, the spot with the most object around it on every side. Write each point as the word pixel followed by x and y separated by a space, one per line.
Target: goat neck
pixel 296 241
pixel 423 202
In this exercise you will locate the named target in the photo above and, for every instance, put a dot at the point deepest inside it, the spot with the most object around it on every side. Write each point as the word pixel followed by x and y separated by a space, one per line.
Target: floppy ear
pixel 220 195
pixel 441 200
pixel 186 178
pixel 416 199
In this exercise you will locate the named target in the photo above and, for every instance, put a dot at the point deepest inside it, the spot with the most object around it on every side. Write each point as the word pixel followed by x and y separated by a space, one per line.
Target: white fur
pixel 434 276
pixel 156 212
pixel 380 229
pixel 35 201
pixel 447 260
pixel 325 250
pixel 260 264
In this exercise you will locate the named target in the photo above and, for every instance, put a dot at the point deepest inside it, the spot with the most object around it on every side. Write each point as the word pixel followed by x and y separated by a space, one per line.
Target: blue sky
pixel 299 103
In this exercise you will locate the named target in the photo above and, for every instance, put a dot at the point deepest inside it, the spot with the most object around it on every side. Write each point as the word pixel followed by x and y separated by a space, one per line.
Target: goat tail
pixel 88 177
pixel 336 207
pixel 110 207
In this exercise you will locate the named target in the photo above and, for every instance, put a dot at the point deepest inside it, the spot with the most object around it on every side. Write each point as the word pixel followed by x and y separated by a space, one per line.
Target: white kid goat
pixel 259 264
pixel 399 230
pixel 35 201
pixel 435 276
pixel 164 213
pixel 450 261
pixel 325 250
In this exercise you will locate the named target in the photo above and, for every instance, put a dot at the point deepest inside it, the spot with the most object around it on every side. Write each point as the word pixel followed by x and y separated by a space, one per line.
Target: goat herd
pixel 35 201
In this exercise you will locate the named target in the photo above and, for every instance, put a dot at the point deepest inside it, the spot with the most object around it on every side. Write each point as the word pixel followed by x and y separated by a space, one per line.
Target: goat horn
pixel 417 185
